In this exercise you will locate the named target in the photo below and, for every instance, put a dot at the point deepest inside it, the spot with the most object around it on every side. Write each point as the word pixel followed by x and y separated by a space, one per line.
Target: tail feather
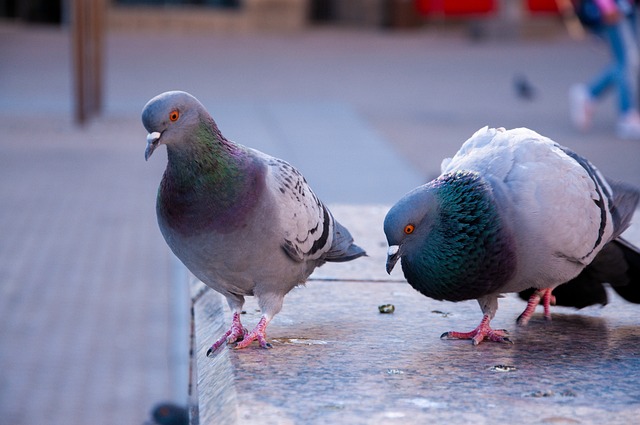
pixel 343 249
pixel 624 205
pixel 629 287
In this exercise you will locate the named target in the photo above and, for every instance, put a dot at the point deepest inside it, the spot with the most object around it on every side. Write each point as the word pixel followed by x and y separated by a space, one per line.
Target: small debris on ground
pixel 386 308
pixel 503 368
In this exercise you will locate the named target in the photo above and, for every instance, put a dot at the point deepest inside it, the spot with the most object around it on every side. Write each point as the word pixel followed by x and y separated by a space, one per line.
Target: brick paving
pixel 84 305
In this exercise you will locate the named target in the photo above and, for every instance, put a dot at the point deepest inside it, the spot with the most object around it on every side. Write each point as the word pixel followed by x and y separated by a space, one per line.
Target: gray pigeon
pixel 243 222
pixel 511 210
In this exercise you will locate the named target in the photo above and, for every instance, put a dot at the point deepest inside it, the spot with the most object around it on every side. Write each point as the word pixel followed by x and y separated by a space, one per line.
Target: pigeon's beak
pixel 393 255
pixel 152 144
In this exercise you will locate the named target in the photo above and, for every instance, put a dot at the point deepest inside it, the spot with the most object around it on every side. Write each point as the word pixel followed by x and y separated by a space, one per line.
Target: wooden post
pixel 87 44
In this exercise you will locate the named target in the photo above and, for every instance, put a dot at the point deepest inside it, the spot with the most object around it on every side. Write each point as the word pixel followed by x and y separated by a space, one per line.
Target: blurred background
pixel 365 97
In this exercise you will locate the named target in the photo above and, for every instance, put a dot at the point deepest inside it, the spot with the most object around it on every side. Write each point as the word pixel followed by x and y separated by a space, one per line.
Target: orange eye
pixel 174 115
pixel 409 228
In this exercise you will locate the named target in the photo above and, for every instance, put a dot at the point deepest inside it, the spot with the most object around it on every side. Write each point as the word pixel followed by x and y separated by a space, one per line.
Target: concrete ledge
pixel 213 397
pixel 336 359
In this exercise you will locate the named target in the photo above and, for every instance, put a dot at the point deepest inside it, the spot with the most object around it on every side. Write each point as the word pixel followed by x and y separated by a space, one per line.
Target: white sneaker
pixel 628 126
pixel 582 106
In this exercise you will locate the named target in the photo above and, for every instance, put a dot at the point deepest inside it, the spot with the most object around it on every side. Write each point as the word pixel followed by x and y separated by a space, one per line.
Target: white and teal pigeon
pixel 243 222
pixel 513 210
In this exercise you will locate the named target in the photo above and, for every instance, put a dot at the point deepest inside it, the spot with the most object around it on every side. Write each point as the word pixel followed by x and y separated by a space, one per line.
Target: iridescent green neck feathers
pixel 468 252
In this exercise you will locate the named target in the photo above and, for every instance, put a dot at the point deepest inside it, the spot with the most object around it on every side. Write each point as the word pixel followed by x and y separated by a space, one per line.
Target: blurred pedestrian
pixel 615 22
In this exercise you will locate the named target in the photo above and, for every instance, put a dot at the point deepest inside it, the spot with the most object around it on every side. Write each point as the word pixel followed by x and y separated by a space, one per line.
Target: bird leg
pixel 547 299
pixel 479 334
pixel 236 332
pixel 258 333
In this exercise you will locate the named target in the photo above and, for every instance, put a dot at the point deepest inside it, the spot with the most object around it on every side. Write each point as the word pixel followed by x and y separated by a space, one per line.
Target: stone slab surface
pixel 337 359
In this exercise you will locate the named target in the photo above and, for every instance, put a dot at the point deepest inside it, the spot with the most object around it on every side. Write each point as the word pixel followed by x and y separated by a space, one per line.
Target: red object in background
pixel 542 6
pixel 456 7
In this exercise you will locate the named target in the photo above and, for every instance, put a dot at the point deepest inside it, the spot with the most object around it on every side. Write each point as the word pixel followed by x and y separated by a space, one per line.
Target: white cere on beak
pixel 152 144
pixel 393 250
pixel 152 137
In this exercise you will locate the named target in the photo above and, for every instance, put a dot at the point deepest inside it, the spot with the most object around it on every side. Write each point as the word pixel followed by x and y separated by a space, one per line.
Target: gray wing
pixel 308 224
pixel 311 232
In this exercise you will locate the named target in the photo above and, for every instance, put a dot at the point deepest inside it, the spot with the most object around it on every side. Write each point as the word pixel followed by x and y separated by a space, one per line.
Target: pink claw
pixel 236 332
pixel 481 333
pixel 547 299
pixel 258 333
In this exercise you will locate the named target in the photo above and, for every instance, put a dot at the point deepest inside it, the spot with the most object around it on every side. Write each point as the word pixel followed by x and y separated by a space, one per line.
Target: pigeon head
pixel 168 117
pixel 450 237
pixel 409 221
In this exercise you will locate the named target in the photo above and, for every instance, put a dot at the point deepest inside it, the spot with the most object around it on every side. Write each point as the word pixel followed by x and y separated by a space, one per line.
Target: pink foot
pixel 258 334
pixel 235 333
pixel 547 299
pixel 481 333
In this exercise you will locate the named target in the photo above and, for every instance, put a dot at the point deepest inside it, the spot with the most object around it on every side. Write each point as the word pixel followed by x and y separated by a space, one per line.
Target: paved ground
pixel 91 330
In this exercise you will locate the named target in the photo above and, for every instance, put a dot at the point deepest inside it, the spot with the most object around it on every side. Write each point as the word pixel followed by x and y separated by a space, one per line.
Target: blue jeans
pixel 623 72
